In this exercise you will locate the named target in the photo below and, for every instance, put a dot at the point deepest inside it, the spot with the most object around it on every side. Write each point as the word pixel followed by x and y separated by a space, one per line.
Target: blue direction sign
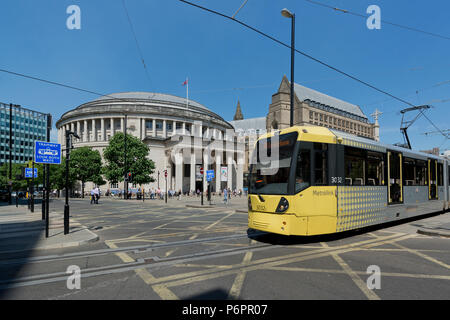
pixel 209 175
pixel 47 152
pixel 29 173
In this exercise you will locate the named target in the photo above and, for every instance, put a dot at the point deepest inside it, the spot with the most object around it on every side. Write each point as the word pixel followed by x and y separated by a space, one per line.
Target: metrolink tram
pixel 326 181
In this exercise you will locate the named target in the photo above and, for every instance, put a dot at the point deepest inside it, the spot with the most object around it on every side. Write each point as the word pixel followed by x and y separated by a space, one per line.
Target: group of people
pixel 157 193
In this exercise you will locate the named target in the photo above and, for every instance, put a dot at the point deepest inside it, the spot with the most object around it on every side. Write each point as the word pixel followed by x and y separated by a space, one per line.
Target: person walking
pixel 225 196
pixel 96 195
pixel 92 196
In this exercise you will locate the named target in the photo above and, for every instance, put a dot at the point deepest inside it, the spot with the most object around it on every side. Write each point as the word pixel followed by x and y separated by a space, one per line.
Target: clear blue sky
pixel 226 62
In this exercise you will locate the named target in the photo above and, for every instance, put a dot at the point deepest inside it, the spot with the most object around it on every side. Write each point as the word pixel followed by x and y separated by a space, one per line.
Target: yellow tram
pixel 310 180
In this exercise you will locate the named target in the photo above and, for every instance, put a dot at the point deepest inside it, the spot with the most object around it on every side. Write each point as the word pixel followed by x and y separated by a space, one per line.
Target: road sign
pixel 29 173
pixel 47 152
pixel 201 170
pixel 209 175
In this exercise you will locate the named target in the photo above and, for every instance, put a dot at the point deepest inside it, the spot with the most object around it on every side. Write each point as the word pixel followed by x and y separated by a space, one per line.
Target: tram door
pixel 395 183
pixel 432 179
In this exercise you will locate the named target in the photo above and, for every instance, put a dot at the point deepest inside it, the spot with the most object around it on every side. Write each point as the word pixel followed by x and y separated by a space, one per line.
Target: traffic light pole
pixel 125 158
pixel 66 206
pixel 10 153
pixel 47 182
pixel 167 192
pixel 32 188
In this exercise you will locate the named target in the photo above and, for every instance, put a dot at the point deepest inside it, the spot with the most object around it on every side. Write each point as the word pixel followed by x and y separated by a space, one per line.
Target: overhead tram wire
pixel 136 41
pixel 304 54
pixel 62 85
pixel 383 21
pixel 298 51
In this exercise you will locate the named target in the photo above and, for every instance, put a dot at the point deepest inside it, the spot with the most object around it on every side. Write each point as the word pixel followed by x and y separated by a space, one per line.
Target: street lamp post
pixel 286 13
pixel 125 158
pixel 69 134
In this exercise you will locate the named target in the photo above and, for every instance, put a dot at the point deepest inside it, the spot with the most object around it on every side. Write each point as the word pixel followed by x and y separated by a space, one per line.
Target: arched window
pixel 274 124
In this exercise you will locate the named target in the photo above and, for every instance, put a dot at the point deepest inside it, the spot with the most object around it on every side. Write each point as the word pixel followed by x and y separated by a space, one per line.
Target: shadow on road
pixel 216 294
pixel 17 242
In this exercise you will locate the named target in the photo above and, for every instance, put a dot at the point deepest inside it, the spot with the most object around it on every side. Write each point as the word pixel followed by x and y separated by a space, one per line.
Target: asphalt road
pixel 156 251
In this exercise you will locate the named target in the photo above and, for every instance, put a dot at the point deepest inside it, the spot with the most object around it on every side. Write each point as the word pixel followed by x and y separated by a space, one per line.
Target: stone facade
pixel 328 111
pixel 163 122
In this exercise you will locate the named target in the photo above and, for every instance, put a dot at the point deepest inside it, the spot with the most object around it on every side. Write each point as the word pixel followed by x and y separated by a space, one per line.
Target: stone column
pixel 178 171
pixel 62 135
pixel 102 129
pixel 85 131
pixel 230 173
pixel 79 131
pixel 111 120
pixel 217 173
pixel 122 124
pixel 94 131
pixel 192 179
pixel 184 128
pixel 154 127
pixel 164 129
pixel 174 124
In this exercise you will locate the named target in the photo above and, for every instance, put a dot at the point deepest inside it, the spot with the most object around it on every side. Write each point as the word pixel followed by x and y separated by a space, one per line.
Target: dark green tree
pixel 86 165
pixel 138 164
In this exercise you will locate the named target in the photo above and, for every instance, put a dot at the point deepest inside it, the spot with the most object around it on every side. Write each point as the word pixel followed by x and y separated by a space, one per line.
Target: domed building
pixel 172 127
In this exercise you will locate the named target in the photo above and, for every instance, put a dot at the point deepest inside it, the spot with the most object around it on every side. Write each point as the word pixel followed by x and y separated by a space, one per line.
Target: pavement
pixel 21 230
pixel 435 226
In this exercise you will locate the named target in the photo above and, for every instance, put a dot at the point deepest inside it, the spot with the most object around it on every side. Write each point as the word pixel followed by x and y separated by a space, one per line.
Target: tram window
pixel 354 162
pixel 394 175
pixel 409 172
pixel 375 169
pixel 303 172
pixel 320 164
pixel 421 173
pixel 440 174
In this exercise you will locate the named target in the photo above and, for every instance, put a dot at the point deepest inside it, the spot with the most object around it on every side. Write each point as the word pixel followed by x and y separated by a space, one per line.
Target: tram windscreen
pixel 269 172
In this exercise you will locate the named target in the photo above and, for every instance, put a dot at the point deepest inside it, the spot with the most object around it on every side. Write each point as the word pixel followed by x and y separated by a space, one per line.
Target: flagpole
pixel 187 93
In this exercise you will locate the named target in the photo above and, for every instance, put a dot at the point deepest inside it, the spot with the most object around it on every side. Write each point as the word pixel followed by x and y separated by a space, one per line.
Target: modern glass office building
pixel 27 127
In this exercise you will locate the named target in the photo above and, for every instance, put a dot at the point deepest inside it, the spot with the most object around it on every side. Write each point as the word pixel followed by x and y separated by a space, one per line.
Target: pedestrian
pixel 96 195
pixel 225 196
pixel 92 196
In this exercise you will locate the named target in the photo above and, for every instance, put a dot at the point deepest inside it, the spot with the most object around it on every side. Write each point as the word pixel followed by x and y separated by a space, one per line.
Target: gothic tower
pixel 238 115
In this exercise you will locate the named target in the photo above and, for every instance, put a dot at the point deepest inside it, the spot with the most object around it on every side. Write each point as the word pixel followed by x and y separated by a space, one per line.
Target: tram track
pixel 132 249
pixel 158 262
pixel 150 261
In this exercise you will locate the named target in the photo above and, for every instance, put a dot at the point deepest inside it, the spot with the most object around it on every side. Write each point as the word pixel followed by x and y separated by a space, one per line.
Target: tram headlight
pixel 283 205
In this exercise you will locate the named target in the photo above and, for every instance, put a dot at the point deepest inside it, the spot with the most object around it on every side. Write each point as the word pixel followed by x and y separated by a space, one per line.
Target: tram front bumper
pixel 285 224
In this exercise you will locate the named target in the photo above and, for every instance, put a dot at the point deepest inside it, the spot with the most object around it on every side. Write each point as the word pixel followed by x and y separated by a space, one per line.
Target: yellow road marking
pixel 194 236
pixel 190 277
pixel 355 278
pixel 218 221
pixel 424 256
pixel 236 288
pixel 164 292
pixel 385 274
pixel 160 290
